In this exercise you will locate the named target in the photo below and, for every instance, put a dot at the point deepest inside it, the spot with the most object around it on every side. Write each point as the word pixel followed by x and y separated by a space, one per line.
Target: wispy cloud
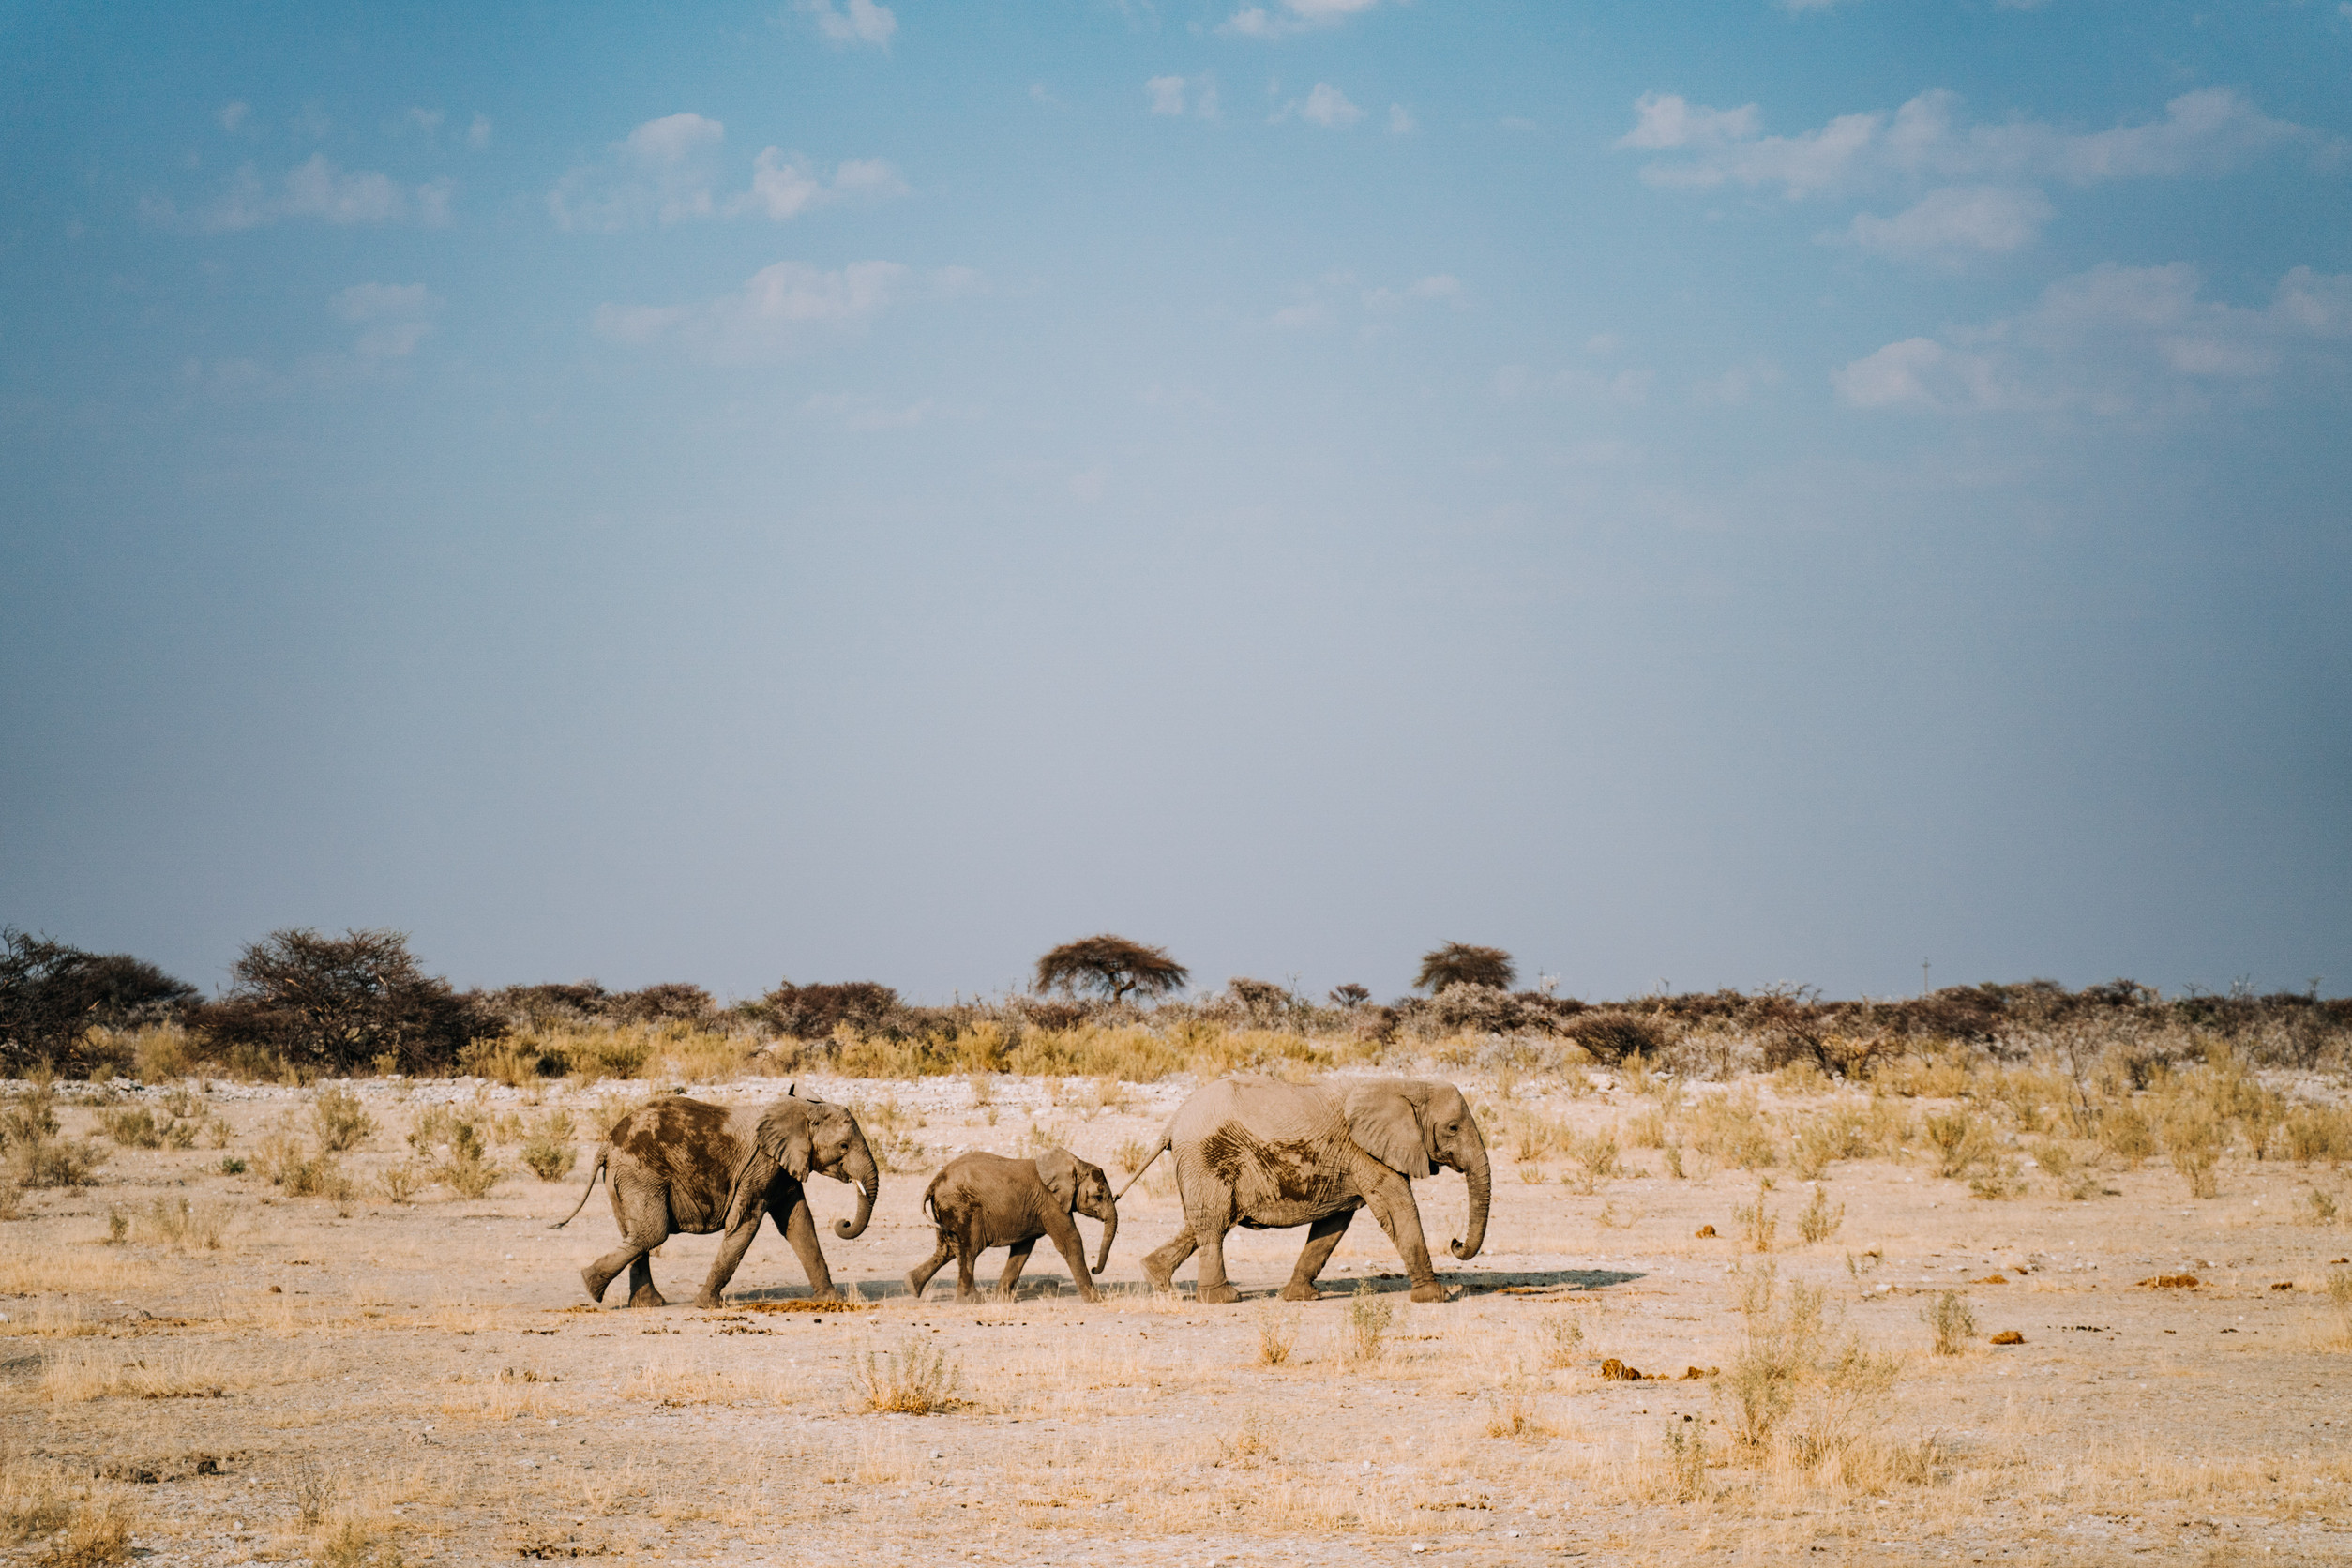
pixel 1401 121
pixel 667 171
pixel 233 116
pixel 393 318
pixel 1290 17
pixel 1172 94
pixel 2115 340
pixel 1989 173
pixel 860 22
pixel 1324 105
pixel 1338 297
pixel 315 188
pixel 779 310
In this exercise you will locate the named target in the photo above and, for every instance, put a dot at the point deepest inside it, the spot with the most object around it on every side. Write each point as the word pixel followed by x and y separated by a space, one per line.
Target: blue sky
pixel 1709 494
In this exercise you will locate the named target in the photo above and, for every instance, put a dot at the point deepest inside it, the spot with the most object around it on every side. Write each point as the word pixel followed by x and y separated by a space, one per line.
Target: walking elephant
pixel 982 1201
pixel 687 1166
pixel 1259 1152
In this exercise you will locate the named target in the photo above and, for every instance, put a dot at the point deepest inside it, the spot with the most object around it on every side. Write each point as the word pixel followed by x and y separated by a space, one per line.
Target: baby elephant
pixel 983 1201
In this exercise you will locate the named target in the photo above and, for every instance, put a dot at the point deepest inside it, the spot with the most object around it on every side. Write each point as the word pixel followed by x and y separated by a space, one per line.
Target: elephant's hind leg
pixel 919 1277
pixel 640 1234
pixel 1322 1240
pixel 1159 1267
pixel 641 1292
pixel 1015 1260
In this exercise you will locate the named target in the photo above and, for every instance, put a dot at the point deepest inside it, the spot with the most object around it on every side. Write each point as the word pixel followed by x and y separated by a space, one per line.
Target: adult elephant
pixel 1259 1152
pixel 680 1164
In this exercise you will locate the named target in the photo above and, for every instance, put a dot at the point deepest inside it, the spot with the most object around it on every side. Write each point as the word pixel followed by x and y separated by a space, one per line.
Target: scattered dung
pixel 1692 1374
pixel 803 1306
pixel 2009 1336
pixel 2283 1285
pixel 1704 1232
pixel 1617 1371
pixel 2172 1281
pixel 1991 1279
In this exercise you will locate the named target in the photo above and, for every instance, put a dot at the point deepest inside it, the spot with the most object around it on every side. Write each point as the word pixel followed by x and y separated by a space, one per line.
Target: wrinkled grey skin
pixel 1261 1153
pixel 681 1165
pixel 981 1200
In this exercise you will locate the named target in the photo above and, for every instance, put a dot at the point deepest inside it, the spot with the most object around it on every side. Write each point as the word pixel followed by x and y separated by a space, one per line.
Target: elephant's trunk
pixel 1481 1192
pixel 859 1163
pixel 1110 1233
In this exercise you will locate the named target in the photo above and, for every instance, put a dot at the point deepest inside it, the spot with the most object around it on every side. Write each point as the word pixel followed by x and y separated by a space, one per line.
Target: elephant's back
pixel 690 1146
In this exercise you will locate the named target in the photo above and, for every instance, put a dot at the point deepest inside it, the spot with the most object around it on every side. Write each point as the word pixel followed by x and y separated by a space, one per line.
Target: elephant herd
pixel 1250 1151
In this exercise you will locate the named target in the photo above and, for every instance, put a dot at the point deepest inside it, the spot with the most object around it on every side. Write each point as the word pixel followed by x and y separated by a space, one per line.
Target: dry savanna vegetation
pixel 2010 1274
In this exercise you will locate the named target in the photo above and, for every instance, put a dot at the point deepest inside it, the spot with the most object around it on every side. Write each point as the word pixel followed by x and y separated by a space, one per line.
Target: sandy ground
pixel 424 1381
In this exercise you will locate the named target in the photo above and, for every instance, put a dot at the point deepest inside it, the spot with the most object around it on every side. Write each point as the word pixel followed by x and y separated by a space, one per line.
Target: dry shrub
pixel 2317 1133
pixel 1512 1411
pixel 1951 1320
pixel 398 1183
pixel 154 1372
pixel 1278 1335
pixel 1961 1141
pixel 97 1533
pixel 1804 1395
pixel 2125 1133
pixel 1757 1222
pixel 465 1166
pixel 133 1127
pixel 37 1157
pixel 32 1504
pixel 177 1221
pixel 890 1130
pixel 1731 1129
pixel 1132 1156
pixel 1683 1460
pixel 1597 1161
pixel 347 1542
pixel 916 1379
pixel 1560 1334
pixel 1362 1337
pixel 1939 1077
pixel 340 1121
pixel 2320 1204
pixel 1647 1129
pixel 1819 1222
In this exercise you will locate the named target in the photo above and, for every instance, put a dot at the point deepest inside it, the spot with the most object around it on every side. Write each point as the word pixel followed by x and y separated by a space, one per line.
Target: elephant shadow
pixel 1536 1284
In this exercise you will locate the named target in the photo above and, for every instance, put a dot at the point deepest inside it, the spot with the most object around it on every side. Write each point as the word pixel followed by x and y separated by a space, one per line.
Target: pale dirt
pixel 432 1370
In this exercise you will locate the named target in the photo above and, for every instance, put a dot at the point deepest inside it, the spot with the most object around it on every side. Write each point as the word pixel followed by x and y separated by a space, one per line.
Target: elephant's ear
pixel 1058 1169
pixel 784 1140
pixel 1382 1121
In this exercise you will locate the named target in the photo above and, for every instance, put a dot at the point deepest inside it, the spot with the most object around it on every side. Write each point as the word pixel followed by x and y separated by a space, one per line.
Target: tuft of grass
pixel 340 1121
pixel 916 1379
pixel 349 1543
pixel 1961 1141
pixel 550 1149
pixel 1560 1334
pixel 398 1183
pixel 1597 1160
pixel 1369 1315
pixel 1951 1320
pixel 1757 1223
pixel 1819 1222
pixel 96 1535
pixel 1731 1129
pixel 2321 1205
pixel 1685 1459
pixel 177 1221
pixel 1278 1335
pixel 1512 1411
pixel 133 1127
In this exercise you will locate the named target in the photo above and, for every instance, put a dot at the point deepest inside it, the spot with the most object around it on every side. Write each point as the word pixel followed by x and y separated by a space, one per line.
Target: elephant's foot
pixel 1087 1292
pixel 647 1296
pixel 1216 1295
pixel 1298 1290
pixel 708 1300
pixel 1430 1291
pixel 594 1282
pixel 1161 1279
pixel 916 1289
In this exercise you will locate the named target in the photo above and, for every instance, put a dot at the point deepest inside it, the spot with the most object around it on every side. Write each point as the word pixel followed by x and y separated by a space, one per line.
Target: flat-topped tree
pixel 1111 966
pixel 1458 963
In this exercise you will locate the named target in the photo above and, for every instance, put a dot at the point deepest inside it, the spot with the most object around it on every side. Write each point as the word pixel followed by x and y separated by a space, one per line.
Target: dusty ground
pixel 423 1382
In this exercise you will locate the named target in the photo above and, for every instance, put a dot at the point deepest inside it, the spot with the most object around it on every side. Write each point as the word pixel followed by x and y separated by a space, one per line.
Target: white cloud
pixel 2205 132
pixel 1290 17
pixel 667 171
pixel 393 317
pixel 2115 340
pixel 1335 294
pixel 1328 107
pixel 859 22
pixel 316 188
pixel 1166 94
pixel 477 135
pixel 775 312
pixel 1401 121
pixel 1736 384
pixel 426 120
pixel 1171 95
pixel 1957 219
pixel 233 116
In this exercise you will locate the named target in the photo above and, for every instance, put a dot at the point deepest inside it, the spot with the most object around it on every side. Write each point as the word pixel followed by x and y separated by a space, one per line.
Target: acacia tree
pixel 1458 963
pixel 343 1002
pixel 1113 966
pixel 50 993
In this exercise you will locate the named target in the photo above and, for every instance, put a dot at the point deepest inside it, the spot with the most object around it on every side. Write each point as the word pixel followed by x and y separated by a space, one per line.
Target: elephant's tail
pixel 604 1152
pixel 1158 1150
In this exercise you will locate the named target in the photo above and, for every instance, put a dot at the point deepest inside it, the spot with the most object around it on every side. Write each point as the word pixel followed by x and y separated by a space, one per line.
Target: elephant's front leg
pixel 1391 1198
pixel 1015 1260
pixel 800 1231
pixel 1071 1246
pixel 1322 1240
pixel 730 1251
